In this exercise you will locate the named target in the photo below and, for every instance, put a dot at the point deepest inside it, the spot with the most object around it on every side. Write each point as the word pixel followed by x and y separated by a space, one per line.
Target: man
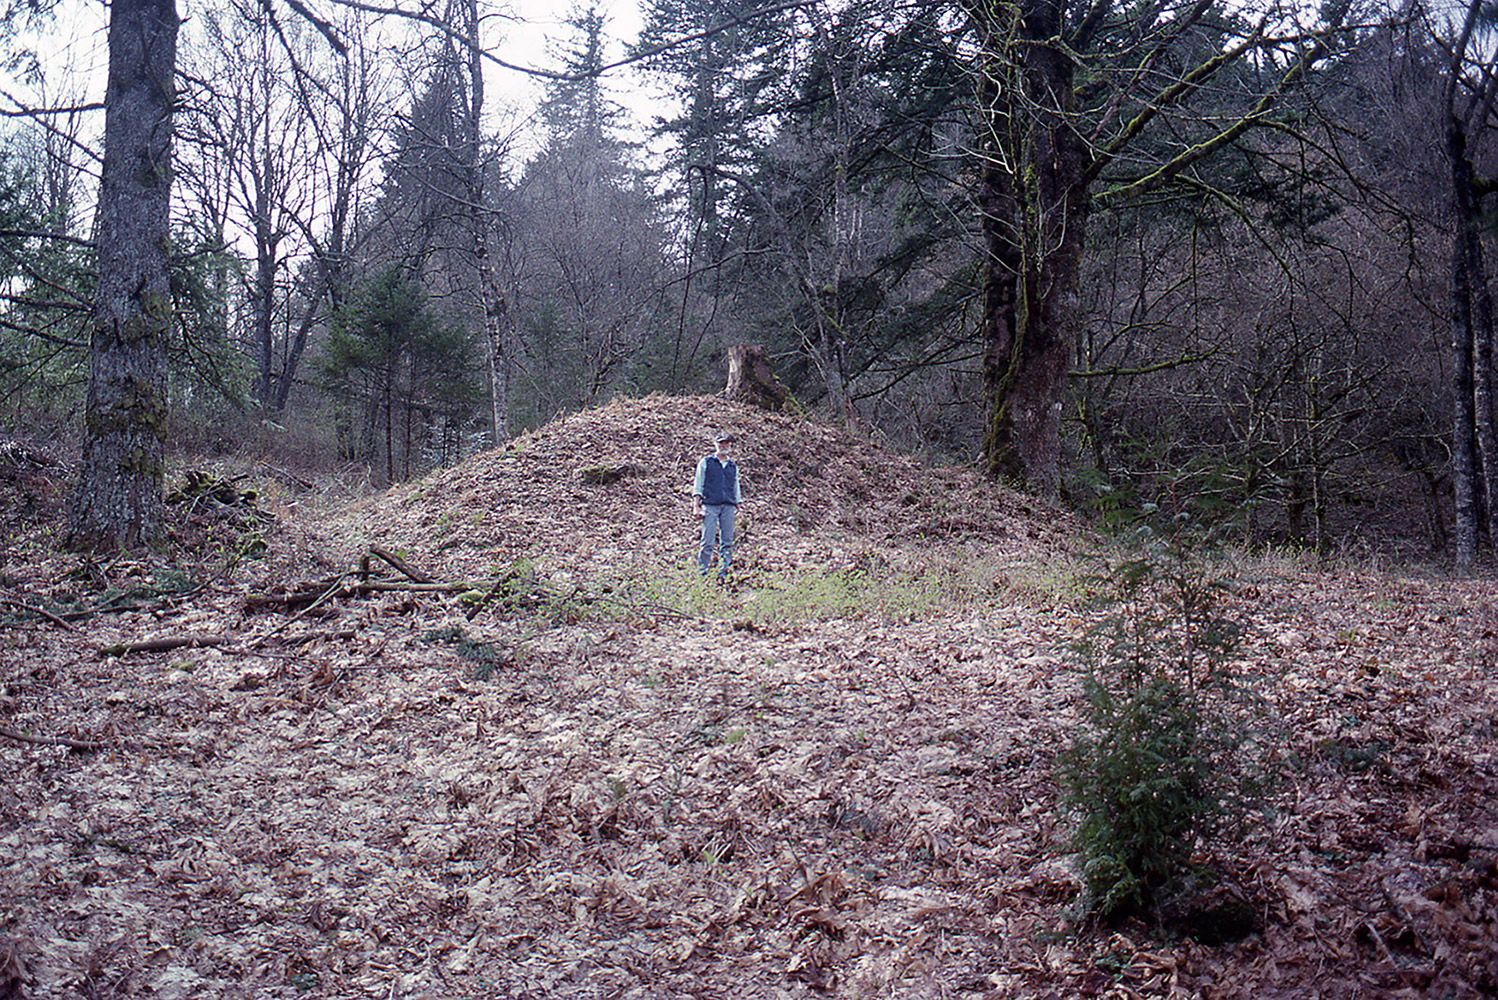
pixel 715 499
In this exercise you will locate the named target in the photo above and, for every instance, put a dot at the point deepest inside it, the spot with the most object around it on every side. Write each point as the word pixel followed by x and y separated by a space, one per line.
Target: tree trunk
pixel 828 302
pixel 751 381
pixel 1466 271
pixel 1471 305
pixel 118 501
pixel 389 416
pixel 262 306
pixel 1032 196
pixel 497 328
pixel 494 308
pixel 1482 387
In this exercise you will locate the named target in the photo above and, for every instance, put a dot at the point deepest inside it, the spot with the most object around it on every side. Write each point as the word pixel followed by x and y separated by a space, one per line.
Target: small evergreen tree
pixel 402 375
pixel 1164 752
pixel 43 326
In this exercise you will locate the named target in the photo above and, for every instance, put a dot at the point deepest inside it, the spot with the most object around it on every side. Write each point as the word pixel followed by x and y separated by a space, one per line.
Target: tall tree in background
pixel 1467 108
pixel 733 73
pixel 437 215
pixel 1080 106
pixel 490 302
pixel 275 138
pixel 268 154
pixel 349 112
pixel 589 240
pixel 852 194
pixel 118 501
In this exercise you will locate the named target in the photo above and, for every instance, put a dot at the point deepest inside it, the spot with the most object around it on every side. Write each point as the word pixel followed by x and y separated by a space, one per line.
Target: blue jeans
pixel 717 529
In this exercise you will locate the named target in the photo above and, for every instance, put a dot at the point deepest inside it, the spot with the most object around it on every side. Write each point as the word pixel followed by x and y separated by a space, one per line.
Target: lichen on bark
pixel 118 500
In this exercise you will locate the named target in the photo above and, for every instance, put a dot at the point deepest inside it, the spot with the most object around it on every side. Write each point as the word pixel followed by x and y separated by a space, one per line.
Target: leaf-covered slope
pixel 397 799
pixel 811 492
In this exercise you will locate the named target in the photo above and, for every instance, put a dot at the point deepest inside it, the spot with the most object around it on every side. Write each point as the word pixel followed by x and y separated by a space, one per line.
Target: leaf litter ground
pixel 577 773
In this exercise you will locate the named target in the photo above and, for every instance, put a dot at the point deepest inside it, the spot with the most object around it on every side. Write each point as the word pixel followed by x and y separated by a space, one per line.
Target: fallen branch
pixel 297 480
pixel 162 645
pixel 82 746
pixel 338 588
pixel 326 595
pixel 399 564
pixel 112 605
pixel 384 586
pixel 302 638
pixel 375 587
pixel 40 612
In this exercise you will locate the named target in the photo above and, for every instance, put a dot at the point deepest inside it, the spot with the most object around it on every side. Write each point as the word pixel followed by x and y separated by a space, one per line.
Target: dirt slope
pixel 386 797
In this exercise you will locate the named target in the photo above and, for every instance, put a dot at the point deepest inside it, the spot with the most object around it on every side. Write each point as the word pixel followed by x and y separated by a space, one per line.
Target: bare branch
pixel 44 116
pixel 325 28
pixel 44 234
pixel 447 30
pixel 21 111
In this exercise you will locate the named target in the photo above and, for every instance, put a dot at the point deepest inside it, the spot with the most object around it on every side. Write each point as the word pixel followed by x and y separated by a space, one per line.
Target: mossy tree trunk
pixel 1048 161
pixel 118 501
pixel 1033 199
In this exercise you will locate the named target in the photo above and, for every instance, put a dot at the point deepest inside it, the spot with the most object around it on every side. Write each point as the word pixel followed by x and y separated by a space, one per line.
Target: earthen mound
pixel 608 491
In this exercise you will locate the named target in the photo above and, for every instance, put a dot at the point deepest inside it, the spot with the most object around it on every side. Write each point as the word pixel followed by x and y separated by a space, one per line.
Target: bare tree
pixel 1467 109
pixel 349 113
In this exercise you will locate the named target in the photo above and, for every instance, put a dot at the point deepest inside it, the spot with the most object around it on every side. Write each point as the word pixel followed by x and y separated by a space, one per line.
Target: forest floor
pixel 529 754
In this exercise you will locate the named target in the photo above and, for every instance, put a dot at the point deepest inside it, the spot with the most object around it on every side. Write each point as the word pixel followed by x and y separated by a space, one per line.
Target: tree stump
pixel 751 381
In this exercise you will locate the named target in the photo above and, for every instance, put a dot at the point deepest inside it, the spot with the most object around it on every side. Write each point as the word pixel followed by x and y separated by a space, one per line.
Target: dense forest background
pixel 1126 253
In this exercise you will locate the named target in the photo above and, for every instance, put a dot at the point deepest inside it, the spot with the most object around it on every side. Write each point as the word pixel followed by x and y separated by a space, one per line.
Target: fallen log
pixel 308 595
pixel 165 644
pixel 83 746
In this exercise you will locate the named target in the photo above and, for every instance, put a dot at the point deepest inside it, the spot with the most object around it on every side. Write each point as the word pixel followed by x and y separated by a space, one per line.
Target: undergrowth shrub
pixel 1168 745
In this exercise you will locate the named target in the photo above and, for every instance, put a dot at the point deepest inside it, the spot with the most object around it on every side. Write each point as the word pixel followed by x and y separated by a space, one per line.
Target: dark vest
pixel 719 481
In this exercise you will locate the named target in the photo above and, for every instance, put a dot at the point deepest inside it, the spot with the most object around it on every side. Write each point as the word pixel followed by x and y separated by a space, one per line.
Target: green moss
pixel 138 410
pixel 141 463
pixel 147 325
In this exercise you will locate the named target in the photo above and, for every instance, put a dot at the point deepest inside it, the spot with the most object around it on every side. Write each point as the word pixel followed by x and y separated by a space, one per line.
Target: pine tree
pixel 391 362
pixel 118 500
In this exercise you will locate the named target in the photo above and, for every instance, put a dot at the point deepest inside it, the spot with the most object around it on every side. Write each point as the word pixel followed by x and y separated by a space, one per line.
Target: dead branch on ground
pixel 83 746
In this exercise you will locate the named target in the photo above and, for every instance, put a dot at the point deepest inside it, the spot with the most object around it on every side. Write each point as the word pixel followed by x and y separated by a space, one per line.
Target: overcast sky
pixel 527 43
pixel 74 52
